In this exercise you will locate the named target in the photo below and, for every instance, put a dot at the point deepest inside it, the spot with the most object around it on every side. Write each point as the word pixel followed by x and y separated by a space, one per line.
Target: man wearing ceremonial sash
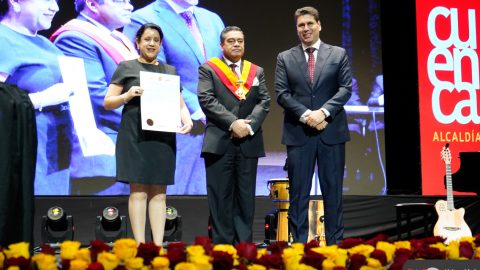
pixel 233 95
pixel 92 37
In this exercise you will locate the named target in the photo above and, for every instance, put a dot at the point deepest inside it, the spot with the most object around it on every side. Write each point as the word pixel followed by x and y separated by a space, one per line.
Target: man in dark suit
pixel 233 95
pixel 313 81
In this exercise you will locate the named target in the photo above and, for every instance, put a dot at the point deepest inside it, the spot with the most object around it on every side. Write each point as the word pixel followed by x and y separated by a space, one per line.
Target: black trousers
pixel 330 160
pixel 231 195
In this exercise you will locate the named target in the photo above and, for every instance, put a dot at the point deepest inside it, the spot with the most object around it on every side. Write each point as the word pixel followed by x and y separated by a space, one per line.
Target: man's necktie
pixel 192 26
pixel 311 63
pixel 232 67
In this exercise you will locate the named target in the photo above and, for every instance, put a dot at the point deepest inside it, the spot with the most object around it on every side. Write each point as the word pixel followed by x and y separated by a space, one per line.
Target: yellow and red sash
pixel 238 86
pixel 116 49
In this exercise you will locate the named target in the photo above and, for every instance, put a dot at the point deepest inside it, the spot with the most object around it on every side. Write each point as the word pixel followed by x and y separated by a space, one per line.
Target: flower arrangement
pixel 351 254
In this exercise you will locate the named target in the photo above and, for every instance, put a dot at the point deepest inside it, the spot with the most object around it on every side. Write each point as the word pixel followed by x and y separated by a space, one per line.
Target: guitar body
pixel 450 224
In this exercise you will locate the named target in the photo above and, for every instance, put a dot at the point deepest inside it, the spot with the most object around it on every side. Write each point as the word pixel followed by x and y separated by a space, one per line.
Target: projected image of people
pixel 92 36
pixel 192 36
pixel 30 61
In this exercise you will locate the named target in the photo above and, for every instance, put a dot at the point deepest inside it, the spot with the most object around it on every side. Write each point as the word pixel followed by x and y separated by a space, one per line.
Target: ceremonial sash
pixel 118 50
pixel 238 86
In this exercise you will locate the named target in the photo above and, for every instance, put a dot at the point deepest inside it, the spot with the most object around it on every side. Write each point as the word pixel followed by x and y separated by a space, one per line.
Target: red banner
pixel 448 67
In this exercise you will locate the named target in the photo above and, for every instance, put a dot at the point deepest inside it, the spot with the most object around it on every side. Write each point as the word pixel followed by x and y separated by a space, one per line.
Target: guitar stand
pixel 410 212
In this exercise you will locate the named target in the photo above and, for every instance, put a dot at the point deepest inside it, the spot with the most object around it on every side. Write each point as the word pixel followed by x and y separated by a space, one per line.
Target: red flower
pixel 247 251
pixel 47 249
pixel 351 242
pixel 310 245
pixel 65 264
pixel 222 260
pixel 477 240
pixel 378 238
pixel 430 253
pixel 379 255
pixel 176 253
pixel 273 260
pixel 313 259
pixel 97 247
pixel 205 242
pixel 277 247
pixel 21 262
pixel 95 266
pixel 147 251
pixel 466 250
pixel 357 261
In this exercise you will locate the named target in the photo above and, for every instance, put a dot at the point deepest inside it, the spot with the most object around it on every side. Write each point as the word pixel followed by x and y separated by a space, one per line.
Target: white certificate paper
pixel 160 101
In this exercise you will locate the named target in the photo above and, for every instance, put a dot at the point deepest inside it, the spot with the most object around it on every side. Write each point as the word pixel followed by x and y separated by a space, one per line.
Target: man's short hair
pixel 228 29
pixel 307 11
pixel 80 4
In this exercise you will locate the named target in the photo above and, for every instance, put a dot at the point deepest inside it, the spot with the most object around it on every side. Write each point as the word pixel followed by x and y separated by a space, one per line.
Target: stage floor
pixel 364 216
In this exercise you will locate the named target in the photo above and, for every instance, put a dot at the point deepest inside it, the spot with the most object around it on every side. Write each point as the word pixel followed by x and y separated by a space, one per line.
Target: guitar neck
pixel 450 204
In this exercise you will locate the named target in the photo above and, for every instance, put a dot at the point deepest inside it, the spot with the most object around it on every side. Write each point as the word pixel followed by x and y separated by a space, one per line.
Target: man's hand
pixel 315 118
pixel 240 128
pixel 321 126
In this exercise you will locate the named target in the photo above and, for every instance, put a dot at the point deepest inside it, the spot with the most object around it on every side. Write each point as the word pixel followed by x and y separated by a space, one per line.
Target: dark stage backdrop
pixel 269 29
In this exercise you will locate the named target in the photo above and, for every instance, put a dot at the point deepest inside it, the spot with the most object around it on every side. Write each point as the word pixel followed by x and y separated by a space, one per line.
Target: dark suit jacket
pixel 222 108
pixel 331 89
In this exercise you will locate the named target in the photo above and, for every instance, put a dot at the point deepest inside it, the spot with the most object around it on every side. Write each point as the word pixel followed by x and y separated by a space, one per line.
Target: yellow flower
pixel 134 263
pixel 195 250
pixel 13 268
pixel 476 255
pixel 160 263
pixel 256 267
pixel 298 247
pixel 362 249
pixel 108 260
pixel 261 252
pixel 337 255
pixel 68 249
pixel 185 266
pixel 45 261
pixel 2 259
pixel 226 248
pixel 18 250
pixel 202 262
pixel 78 265
pixel 328 264
pixel 374 263
pixel 403 244
pixel 291 254
pixel 84 255
pixel 125 248
pixel 305 267
pixel 388 248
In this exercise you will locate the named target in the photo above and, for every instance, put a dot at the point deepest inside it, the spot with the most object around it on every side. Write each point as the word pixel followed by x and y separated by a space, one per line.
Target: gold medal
pixel 240 92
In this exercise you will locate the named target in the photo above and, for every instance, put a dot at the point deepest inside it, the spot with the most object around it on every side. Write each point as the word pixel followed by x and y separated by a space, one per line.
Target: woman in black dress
pixel 145 159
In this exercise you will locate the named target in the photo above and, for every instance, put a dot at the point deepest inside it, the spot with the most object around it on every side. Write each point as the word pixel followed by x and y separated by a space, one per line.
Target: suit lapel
pixel 173 20
pixel 299 56
pixel 323 52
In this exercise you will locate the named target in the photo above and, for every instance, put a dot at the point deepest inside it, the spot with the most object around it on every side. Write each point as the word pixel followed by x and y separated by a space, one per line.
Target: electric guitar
pixel 451 225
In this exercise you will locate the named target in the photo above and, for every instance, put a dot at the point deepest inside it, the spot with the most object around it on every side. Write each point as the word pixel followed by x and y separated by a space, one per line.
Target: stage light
pixel 271 226
pixel 57 226
pixel 110 226
pixel 173 225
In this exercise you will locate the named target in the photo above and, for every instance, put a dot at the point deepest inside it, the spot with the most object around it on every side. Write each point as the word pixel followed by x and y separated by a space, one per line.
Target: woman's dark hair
pixel 3 8
pixel 146 26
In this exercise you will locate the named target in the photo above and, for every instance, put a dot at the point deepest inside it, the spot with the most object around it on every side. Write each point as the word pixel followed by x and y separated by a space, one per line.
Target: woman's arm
pixel 187 123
